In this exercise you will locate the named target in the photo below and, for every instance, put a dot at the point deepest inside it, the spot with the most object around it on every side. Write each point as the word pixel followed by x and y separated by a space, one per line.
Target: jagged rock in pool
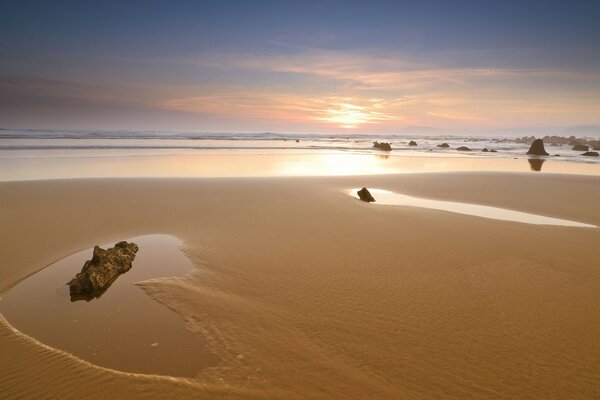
pixel 463 148
pixel 444 145
pixel 591 154
pixel 412 143
pixel 537 148
pixel 365 195
pixel 581 147
pixel 382 146
pixel 99 273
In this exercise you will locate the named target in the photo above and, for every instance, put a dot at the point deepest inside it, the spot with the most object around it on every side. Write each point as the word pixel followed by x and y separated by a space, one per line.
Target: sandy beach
pixel 303 292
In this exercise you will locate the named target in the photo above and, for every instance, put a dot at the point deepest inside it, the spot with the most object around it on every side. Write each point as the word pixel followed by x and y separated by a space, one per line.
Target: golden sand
pixel 303 292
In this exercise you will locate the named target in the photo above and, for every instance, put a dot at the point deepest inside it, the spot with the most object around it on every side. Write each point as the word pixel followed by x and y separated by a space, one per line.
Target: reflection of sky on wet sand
pixel 386 197
pixel 243 164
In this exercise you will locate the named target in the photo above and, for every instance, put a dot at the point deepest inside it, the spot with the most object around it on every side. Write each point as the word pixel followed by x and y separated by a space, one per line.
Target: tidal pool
pixel 124 328
pixel 386 197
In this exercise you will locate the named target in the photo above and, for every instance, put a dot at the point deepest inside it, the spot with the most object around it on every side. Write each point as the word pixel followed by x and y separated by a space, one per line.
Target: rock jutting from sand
pixel 105 266
pixel 412 143
pixel 581 147
pixel 365 195
pixel 463 148
pixel 443 145
pixel 382 146
pixel 537 148
pixel 591 154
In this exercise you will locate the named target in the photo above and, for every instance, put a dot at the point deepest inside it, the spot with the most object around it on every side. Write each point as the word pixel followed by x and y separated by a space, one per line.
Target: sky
pixel 325 66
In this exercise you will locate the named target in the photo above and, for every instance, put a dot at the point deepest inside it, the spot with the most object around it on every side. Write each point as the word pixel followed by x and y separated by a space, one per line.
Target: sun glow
pixel 350 116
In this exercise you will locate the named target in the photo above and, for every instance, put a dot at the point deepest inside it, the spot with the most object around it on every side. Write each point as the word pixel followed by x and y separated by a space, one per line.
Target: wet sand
pixel 302 291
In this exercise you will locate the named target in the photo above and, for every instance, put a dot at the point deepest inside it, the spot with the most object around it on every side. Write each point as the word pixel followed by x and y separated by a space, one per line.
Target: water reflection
pixel 535 164
pixel 386 197
pixel 51 165
pixel 124 329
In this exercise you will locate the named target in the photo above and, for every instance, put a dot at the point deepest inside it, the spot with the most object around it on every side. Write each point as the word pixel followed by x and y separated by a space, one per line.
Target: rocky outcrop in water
pixel 443 145
pixel 412 143
pixel 463 148
pixel 591 154
pixel 537 148
pixel 581 147
pixel 365 195
pixel 382 146
pixel 99 273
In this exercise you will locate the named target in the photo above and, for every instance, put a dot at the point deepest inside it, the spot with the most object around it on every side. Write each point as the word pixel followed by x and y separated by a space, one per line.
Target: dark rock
pixel 297 140
pixel 485 150
pixel 444 145
pixel 365 195
pixel 591 154
pixel 412 143
pixel 581 147
pixel 463 148
pixel 493 151
pixel 99 273
pixel 382 146
pixel 537 148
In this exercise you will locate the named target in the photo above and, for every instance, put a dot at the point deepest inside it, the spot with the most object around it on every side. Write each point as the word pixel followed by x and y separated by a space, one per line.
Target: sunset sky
pixel 299 66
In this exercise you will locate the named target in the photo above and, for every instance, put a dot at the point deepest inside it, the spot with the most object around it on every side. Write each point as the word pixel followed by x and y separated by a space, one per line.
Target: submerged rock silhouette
pixel 365 195
pixel 537 148
pixel 444 145
pixel 581 147
pixel 591 154
pixel 99 273
pixel 463 148
pixel 412 143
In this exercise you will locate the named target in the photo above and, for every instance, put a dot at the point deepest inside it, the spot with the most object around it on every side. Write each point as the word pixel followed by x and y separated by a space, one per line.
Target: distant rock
pixel 365 195
pixel 382 146
pixel 581 147
pixel 493 151
pixel 444 145
pixel 485 150
pixel 99 273
pixel 591 154
pixel 463 148
pixel 537 148
pixel 412 143
pixel 297 140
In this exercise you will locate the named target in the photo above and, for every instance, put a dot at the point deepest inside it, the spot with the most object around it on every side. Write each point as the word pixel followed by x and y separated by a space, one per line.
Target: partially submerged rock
pixel 412 143
pixel 99 273
pixel 444 145
pixel 365 195
pixel 485 150
pixel 382 146
pixel 463 148
pixel 581 147
pixel 591 154
pixel 537 148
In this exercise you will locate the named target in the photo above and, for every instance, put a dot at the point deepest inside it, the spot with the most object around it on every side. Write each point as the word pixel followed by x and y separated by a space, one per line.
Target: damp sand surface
pixel 386 197
pixel 124 328
pixel 304 292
